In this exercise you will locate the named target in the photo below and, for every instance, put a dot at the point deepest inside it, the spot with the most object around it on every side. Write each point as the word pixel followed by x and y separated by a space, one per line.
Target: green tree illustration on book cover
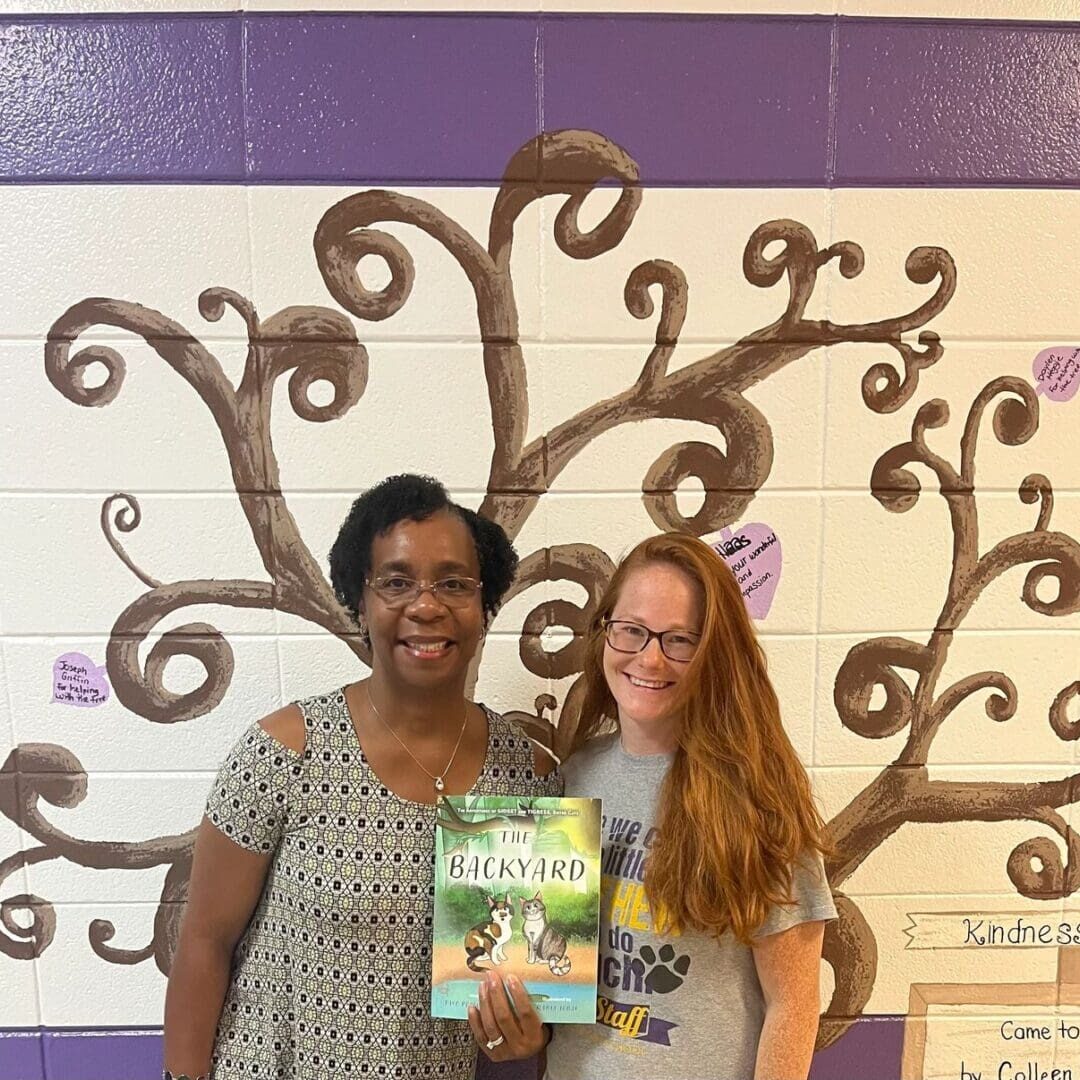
pixel 517 891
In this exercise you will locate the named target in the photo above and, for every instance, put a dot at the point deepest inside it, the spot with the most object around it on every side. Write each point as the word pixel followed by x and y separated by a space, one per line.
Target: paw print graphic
pixel 664 976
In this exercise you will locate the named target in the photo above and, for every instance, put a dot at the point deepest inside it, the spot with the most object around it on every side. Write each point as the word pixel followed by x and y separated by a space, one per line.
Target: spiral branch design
pixel 316 345
pixel 1035 866
pixel 54 775
pixel 22 942
pixel 870 664
pixel 171 341
pixel 583 565
pixel 1037 488
pixel 143 690
pixel 127 519
pixel 571 162
pixel 639 303
pixel 1015 421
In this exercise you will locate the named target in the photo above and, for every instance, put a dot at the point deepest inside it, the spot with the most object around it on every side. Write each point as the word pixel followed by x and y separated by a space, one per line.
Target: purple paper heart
pixel 1057 372
pixel 78 681
pixel 754 555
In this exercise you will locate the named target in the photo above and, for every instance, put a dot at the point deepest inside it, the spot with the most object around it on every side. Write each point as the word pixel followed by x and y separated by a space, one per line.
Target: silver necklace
pixel 440 783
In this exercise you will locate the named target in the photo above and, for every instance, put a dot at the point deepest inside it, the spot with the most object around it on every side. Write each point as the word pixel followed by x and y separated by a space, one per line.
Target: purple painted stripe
pixel 447 98
pixel 121 99
pixel 20 1054
pixel 389 97
pixel 871 1047
pixel 739 101
pixel 958 103
pixel 129 1054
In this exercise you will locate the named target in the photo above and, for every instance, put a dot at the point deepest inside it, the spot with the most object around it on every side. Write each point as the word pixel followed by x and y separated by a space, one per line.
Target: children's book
pixel 517 891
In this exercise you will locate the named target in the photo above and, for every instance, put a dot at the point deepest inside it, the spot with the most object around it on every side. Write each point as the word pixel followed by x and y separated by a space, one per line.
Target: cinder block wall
pixel 817 280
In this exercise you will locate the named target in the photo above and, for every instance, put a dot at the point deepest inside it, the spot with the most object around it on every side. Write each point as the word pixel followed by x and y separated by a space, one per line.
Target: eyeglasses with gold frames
pixel 396 590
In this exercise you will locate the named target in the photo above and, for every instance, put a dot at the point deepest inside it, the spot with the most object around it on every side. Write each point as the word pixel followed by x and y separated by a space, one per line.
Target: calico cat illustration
pixel 546 944
pixel 485 940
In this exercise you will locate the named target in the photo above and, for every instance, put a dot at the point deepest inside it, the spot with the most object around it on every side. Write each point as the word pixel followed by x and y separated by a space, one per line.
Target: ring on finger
pixel 492 1043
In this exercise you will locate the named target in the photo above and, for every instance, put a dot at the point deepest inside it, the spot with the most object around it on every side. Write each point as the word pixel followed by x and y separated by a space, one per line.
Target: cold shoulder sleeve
pixel 249 802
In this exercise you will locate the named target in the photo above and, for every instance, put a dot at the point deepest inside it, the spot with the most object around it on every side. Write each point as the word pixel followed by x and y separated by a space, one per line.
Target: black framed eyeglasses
pixel 396 590
pixel 631 637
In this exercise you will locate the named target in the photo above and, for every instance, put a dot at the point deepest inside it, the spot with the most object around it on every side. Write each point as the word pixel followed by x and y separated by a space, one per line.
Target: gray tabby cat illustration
pixel 546 944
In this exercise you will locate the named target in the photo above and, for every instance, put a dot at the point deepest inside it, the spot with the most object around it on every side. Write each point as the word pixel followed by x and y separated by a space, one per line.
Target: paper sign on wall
pixel 78 681
pixel 1057 372
pixel 753 552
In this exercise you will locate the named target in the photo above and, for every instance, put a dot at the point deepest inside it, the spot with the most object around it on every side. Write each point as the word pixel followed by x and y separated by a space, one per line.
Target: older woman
pixel 306 946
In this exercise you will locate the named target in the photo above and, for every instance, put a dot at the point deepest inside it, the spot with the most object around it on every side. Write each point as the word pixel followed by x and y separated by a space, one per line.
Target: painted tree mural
pixel 318 344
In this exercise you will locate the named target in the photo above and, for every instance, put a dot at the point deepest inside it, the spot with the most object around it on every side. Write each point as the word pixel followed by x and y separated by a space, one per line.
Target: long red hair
pixel 735 811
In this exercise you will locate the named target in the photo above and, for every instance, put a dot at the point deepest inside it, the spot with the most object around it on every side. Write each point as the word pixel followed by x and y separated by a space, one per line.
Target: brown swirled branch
pixel 21 941
pixel 800 259
pixel 53 774
pixel 171 341
pixel 56 775
pixel 999 707
pixel 897 489
pixel 850 949
pixel 343 237
pixel 570 162
pixel 167 920
pixel 1015 421
pixel 871 664
pixel 1062 564
pixel 127 519
pixel 1037 488
pixel 582 564
pixel 901 794
pixel 674 293
pixel 1065 729
pixel 142 689
pixel 712 388
pixel 315 344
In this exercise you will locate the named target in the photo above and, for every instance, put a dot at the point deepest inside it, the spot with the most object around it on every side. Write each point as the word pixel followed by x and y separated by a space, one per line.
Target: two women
pixel 314 864
pixel 306 947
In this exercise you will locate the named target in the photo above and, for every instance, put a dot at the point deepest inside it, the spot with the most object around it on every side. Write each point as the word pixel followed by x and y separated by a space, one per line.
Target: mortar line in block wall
pixel 752 184
pixel 93 637
pixel 628 494
pixel 375 338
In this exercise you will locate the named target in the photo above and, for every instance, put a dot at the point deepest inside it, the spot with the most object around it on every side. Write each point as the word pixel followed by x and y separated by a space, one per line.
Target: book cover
pixel 517 891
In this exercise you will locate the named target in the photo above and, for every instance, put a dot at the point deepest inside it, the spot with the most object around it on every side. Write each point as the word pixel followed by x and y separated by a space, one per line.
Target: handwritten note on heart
pixel 754 554
pixel 78 681
pixel 1057 372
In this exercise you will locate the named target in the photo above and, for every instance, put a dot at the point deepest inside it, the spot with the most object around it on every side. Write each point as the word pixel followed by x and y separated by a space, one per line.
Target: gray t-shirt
pixel 674 1006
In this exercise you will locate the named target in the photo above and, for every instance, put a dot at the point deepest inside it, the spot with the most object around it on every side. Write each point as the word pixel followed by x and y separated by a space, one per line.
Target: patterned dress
pixel 333 974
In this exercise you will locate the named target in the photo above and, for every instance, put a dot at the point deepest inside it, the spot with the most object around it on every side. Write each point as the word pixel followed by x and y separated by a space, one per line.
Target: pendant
pixel 439 785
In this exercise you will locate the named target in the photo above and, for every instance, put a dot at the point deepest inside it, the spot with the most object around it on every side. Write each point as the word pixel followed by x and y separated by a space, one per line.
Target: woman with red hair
pixel 714 896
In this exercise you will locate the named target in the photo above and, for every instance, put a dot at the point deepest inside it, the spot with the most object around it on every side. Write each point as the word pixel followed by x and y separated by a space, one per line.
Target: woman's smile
pixel 647 684
pixel 427 649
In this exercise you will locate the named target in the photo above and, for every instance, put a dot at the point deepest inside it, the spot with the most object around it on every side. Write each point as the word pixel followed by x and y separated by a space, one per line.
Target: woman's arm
pixel 225 886
pixel 226 883
pixel 789 968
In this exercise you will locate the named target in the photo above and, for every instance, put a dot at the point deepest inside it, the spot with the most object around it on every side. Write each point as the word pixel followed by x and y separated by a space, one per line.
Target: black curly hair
pixel 414 498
